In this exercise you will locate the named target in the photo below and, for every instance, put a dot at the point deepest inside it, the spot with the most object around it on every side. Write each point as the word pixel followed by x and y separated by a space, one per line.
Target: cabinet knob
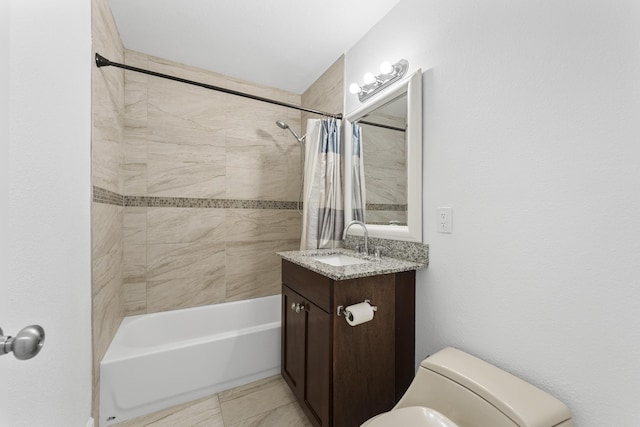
pixel 298 307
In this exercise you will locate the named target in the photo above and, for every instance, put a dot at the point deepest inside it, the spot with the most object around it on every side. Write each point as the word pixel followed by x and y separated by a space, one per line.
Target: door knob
pixel 25 345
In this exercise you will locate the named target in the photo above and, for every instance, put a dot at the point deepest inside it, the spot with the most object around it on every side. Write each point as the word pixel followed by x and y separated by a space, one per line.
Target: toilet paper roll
pixel 360 313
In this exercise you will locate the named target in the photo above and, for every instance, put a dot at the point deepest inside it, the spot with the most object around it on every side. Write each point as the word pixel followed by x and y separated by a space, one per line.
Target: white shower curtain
pixel 323 212
pixel 358 192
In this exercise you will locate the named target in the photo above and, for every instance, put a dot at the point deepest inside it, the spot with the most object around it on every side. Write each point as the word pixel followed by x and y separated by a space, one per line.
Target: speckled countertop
pixel 384 265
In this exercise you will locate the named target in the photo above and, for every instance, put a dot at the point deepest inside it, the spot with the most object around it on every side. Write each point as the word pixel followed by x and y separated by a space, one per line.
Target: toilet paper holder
pixel 341 311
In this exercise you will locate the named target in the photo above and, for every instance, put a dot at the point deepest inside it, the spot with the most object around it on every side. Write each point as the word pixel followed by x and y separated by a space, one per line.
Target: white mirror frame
pixel 412 232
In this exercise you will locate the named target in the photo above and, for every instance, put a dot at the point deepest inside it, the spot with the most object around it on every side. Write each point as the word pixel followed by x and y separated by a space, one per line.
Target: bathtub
pixel 163 359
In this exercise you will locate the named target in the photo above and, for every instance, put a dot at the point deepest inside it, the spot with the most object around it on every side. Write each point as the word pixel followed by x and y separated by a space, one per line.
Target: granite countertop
pixel 384 265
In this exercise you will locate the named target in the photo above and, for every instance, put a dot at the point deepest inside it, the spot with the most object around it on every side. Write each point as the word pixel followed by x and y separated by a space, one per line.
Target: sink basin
pixel 338 260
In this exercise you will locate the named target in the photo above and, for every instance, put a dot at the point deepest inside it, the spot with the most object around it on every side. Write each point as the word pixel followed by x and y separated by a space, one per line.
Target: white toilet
pixel 454 389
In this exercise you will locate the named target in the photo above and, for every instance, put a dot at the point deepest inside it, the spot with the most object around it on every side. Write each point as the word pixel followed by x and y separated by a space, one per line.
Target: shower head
pixel 285 125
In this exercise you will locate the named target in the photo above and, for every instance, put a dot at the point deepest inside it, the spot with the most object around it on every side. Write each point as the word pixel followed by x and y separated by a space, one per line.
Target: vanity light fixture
pixel 389 74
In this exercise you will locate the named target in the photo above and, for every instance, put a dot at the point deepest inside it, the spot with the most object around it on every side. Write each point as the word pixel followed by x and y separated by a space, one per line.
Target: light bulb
pixel 386 67
pixel 354 88
pixel 369 78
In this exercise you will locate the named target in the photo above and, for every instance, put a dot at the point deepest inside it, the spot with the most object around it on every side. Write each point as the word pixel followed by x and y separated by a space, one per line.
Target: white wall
pixel 46 215
pixel 532 135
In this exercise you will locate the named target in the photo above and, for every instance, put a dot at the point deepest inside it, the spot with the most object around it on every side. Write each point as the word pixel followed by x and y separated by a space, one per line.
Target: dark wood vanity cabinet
pixel 344 375
pixel 304 360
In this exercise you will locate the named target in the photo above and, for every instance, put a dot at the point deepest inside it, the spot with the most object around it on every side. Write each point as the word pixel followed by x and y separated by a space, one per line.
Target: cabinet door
pixel 293 341
pixel 318 364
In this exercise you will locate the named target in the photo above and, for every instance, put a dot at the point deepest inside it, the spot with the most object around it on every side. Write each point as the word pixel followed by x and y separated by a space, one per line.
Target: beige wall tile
pixel 182 260
pixel 134 177
pixel 251 225
pixel 135 226
pixel 187 292
pixel 106 228
pixel 203 152
pixel 137 59
pixel 188 72
pixel 134 263
pixel 107 242
pixel 185 179
pixel 135 90
pixel 135 298
pixel 238 108
pixel 106 38
pixel 107 103
pixel 263 91
pixel 135 160
pixel 263 173
pixel 107 271
pixel 107 305
pixel 185 225
pixel 326 93
pixel 107 161
pixel 181 113
pixel 253 268
pixel 135 144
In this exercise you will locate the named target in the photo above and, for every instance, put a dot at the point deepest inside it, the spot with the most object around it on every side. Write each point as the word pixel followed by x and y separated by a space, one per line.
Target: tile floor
pixel 264 403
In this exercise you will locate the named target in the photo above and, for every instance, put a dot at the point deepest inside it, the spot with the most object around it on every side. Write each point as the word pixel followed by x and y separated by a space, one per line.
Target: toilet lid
pixel 412 416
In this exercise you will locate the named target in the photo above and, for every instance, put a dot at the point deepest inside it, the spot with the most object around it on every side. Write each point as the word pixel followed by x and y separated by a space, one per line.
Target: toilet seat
pixel 412 416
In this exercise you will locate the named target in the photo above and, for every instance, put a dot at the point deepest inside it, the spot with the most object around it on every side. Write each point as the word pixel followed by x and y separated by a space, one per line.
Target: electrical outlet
pixel 444 220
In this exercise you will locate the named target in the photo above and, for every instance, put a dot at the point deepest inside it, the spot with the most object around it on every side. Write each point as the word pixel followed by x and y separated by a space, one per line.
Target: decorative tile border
pixel 100 195
pixel 385 207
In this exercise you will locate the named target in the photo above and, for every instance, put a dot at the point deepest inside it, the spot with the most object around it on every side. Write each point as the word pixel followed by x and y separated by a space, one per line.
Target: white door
pixel 45 258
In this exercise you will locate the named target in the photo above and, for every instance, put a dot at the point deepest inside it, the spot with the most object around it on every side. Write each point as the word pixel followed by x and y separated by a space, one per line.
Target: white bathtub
pixel 163 359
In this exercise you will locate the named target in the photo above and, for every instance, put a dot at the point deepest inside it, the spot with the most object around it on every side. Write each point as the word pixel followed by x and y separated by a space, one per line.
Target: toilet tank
pixel 474 393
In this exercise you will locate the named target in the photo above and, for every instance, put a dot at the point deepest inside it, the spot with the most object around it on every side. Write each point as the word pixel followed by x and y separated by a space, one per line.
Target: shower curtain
pixel 358 192
pixel 323 211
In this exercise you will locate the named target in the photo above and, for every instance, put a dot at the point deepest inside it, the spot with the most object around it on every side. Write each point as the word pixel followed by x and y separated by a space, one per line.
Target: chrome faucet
pixel 366 234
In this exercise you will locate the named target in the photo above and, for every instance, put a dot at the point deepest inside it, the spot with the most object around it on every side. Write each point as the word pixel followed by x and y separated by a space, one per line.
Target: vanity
pixel 343 375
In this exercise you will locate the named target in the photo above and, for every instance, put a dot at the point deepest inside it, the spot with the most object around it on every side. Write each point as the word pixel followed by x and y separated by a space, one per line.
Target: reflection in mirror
pixel 390 129
pixel 384 149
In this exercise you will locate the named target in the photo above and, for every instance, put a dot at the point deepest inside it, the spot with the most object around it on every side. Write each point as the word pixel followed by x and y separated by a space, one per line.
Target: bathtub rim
pixel 117 350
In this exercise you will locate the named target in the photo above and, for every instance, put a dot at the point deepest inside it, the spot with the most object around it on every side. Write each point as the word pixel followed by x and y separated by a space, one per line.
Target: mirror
pixel 385 162
pixel 391 132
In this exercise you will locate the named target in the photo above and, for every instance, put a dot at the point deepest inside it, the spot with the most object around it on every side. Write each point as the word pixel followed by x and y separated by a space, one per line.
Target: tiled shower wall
pixel 210 185
pixel 107 219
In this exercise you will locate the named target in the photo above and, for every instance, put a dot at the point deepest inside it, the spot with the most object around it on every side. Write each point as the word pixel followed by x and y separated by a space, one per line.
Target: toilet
pixel 454 389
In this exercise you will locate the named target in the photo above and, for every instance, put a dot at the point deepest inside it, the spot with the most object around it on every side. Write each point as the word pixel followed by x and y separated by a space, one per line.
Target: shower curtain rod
pixel 101 61
pixel 382 126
